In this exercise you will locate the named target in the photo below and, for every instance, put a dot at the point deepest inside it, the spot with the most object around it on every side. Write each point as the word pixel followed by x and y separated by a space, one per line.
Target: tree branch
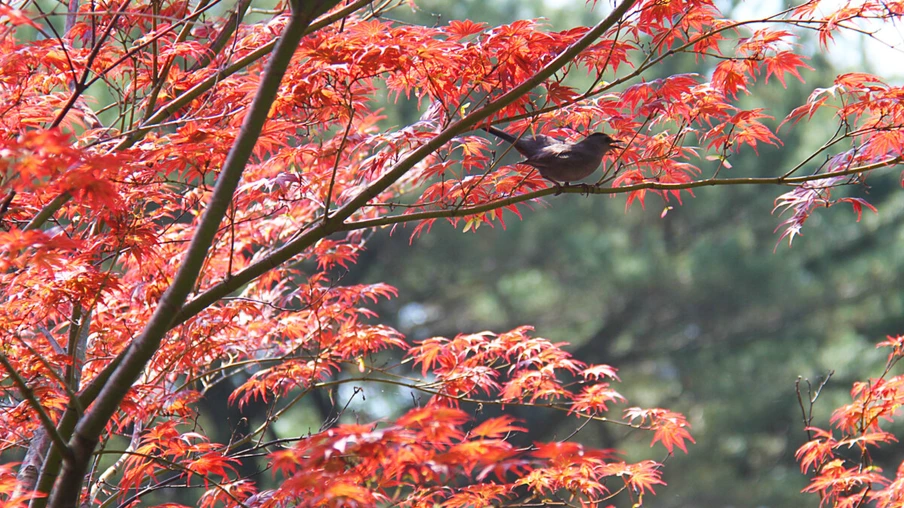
pixel 189 95
pixel 151 98
pixel 29 395
pixel 229 28
pixel 53 462
pixel 335 223
pixel 88 430
pixel 709 182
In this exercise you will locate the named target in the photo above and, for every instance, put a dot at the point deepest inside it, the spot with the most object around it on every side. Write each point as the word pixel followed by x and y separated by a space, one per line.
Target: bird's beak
pixel 617 143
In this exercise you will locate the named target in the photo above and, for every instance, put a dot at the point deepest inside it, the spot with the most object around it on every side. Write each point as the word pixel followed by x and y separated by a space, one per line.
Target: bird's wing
pixel 550 154
pixel 529 146
pixel 526 144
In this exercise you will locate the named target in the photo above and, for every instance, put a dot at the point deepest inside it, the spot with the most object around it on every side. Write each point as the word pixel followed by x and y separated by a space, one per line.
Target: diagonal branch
pixel 335 222
pixel 226 33
pixel 50 468
pixel 88 430
pixel 80 86
pixel 164 71
pixel 35 404
pixel 53 461
pixel 113 383
pixel 189 95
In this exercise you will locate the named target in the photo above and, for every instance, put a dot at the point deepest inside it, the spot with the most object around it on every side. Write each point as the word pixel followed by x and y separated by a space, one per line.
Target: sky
pixel 850 51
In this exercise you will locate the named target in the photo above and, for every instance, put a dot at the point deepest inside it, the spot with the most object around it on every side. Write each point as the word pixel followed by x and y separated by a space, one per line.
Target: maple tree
pixel 844 473
pixel 191 230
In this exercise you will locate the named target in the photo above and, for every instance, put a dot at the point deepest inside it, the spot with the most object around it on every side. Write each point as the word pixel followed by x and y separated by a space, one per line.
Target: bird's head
pixel 602 142
pixel 603 138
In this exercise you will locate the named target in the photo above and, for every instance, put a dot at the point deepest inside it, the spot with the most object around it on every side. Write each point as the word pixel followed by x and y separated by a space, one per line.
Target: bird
pixel 560 161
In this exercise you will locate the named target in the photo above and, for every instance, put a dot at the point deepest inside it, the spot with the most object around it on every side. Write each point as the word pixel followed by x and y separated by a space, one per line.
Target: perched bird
pixel 560 161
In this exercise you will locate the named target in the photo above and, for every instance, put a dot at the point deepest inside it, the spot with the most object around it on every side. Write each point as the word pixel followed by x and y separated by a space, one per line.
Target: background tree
pixel 693 308
pixel 190 235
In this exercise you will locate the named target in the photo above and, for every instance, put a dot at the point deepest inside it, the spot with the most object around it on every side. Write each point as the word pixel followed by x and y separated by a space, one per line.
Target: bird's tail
pixel 500 134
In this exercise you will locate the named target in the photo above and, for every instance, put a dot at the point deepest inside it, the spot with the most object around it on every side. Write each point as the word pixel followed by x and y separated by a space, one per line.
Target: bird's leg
pixel 559 187
pixel 586 189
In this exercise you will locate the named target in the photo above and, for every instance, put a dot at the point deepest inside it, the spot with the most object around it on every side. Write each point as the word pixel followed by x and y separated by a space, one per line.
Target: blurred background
pixel 700 310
